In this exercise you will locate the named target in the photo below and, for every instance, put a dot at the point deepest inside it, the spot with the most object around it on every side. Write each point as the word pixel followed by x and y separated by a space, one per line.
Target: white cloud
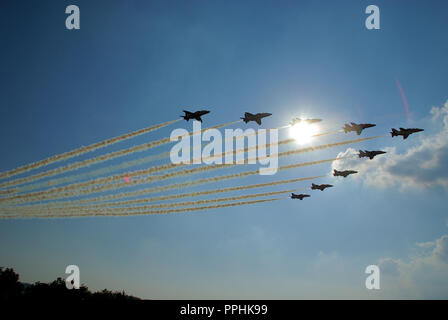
pixel 423 165
pixel 423 276
pixel 427 244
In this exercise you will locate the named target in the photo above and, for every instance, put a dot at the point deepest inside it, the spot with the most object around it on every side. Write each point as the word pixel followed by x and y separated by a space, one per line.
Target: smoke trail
pixel 65 204
pixel 117 167
pixel 111 208
pixel 102 158
pixel 177 185
pixel 82 150
pixel 109 169
pixel 158 211
pixel 403 97
pixel 151 170
pixel 65 191
pixel 94 173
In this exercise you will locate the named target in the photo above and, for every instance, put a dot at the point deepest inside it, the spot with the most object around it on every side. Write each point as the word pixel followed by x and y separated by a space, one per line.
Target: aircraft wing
pixel 405 136
pixel 258 121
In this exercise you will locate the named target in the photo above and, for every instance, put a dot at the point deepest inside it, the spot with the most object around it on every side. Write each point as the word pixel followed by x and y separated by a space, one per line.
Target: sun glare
pixel 303 132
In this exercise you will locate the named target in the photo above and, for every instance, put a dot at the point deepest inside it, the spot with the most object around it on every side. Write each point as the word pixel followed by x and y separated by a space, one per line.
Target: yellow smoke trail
pixel 69 191
pixel 82 150
pixel 117 167
pixel 101 158
pixel 158 211
pixel 128 164
pixel 174 186
pixel 65 191
pixel 66 204
pixel 150 170
pixel 125 165
pixel 108 207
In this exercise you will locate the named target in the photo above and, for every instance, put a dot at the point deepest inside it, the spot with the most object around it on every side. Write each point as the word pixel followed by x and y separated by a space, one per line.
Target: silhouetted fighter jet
pixel 309 121
pixel 369 154
pixel 255 117
pixel 344 173
pixel 404 132
pixel 299 196
pixel 320 187
pixel 357 127
pixel 194 115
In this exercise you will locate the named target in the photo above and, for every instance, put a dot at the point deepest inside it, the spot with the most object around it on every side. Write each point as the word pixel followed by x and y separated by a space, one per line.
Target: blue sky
pixel 138 63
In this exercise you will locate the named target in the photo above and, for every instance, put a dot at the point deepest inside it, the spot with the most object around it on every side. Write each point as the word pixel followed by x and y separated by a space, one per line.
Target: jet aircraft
pixel 369 154
pixel 255 117
pixel 404 132
pixel 194 115
pixel 299 196
pixel 358 128
pixel 320 187
pixel 343 173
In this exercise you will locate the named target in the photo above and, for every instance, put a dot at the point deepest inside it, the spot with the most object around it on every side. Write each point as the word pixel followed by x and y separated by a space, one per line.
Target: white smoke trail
pixel 98 159
pixel 114 168
pixel 82 150
pixel 108 207
pixel 156 211
pixel 74 189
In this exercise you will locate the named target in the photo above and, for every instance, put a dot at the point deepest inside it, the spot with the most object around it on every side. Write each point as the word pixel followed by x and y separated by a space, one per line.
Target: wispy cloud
pixel 422 276
pixel 423 165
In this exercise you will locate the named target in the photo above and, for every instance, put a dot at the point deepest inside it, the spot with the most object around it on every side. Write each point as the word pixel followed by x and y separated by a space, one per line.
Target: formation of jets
pixel 352 127
pixel 369 154
pixel 404 132
pixel 308 121
pixel 320 187
pixel 255 117
pixel 358 128
pixel 247 116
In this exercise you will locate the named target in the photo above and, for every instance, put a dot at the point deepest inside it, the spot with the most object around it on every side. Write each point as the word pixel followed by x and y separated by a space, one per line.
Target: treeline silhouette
pixel 11 289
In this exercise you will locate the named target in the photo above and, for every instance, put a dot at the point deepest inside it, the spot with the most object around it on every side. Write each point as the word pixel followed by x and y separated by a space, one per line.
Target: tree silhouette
pixel 12 289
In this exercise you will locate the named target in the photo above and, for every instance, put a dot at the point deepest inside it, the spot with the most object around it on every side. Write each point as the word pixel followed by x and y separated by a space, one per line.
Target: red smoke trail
pixel 403 97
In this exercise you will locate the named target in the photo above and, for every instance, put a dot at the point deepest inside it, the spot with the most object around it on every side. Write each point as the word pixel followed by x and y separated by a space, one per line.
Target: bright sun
pixel 303 132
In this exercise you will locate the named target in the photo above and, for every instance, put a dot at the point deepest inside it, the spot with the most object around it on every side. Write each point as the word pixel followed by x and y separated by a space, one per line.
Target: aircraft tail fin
pixel 394 133
pixel 187 115
pixel 346 128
